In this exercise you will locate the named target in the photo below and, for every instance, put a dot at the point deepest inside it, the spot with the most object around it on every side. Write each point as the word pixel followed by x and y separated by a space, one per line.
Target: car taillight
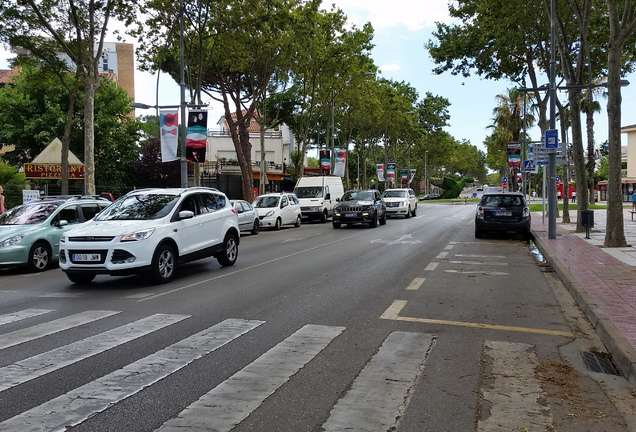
pixel 526 211
pixel 480 211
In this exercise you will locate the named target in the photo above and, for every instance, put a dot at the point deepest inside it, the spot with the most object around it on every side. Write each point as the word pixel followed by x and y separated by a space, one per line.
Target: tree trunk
pixel 89 134
pixel 66 139
pixel 591 164
pixel 563 114
pixel 614 233
pixel 579 161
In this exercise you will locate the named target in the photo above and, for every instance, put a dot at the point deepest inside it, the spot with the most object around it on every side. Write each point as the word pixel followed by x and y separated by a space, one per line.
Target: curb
pixel 622 352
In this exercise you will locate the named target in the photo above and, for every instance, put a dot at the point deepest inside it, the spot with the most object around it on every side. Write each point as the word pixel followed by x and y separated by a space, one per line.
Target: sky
pixel 401 29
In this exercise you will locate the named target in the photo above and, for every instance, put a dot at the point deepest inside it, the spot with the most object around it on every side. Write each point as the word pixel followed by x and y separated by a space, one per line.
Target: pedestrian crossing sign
pixel 529 166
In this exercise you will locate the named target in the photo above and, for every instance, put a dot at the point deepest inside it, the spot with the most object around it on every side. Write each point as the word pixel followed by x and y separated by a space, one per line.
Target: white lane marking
pixel 74 407
pixel 449 247
pixel 480 263
pixel 140 295
pixel 393 311
pixel 403 239
pixel 23 314
pixel 432 266
pixel 482 256
pixel 487 273
pixel 513 398
pixel 233 400
pixel 39 365
pixel 442 255
pixel 38 331
pixel 264 263
pixel 61 295
pixel 416 284
pixel 379 396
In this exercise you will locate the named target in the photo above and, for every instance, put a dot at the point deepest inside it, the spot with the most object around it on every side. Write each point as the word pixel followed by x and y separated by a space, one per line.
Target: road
pixel 411 326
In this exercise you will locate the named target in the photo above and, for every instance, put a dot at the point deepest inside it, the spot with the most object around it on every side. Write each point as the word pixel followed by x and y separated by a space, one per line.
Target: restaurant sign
pixel 42 170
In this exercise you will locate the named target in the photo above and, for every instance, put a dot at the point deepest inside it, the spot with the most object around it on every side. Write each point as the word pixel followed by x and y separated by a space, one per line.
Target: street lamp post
pixel 333 98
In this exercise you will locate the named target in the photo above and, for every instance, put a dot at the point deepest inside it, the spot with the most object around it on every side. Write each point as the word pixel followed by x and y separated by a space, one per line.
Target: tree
pixel 78 28
pixel 622 25
pixel 36 108
pixel 13 182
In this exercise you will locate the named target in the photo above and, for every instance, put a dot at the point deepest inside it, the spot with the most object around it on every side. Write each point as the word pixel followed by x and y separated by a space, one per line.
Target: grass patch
pixel 537 207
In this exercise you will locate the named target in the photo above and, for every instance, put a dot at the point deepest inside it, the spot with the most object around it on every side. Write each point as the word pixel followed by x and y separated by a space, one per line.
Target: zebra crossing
pixel 375 401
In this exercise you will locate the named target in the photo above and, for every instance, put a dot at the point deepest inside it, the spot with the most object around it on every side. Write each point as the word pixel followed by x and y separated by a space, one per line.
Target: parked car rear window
pixel 502 200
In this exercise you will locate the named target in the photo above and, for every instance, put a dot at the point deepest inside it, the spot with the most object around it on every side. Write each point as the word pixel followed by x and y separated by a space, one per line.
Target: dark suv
pixel 503 212
pixel 360 206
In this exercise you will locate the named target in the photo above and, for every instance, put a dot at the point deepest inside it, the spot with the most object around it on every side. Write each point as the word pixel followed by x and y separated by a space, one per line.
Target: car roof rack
pixel 68 197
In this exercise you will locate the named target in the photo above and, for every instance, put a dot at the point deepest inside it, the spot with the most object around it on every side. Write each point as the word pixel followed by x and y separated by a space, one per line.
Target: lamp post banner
pixel 196 139
pixel 390 172
pixel 379 169
pixel 514 155
pixel 405 176
pixel 325 160
pixel 340 162
pixel 169 122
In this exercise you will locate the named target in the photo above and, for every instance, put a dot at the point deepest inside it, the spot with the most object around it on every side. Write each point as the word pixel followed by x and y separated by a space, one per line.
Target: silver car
pixel 247 216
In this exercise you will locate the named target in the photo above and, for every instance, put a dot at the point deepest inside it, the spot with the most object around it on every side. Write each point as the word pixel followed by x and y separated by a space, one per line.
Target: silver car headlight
pixel 138 235
pixel 12 241
pixel 269 213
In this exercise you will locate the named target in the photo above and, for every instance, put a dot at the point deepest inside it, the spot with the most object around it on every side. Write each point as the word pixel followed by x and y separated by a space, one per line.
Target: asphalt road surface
pixel 411 326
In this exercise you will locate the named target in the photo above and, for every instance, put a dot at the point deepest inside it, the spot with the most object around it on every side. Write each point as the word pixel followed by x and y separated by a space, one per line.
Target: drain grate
pixel 599 362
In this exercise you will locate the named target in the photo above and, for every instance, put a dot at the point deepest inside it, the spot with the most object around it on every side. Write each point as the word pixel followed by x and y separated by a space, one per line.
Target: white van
pixel 318 196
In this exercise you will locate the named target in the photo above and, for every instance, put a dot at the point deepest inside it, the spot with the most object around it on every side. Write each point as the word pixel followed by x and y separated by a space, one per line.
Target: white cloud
pixel 390 67
pixel 413 14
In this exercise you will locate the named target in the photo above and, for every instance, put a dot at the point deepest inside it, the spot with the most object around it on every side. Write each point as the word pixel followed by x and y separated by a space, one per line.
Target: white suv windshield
pixel 395 194
pixel 139 207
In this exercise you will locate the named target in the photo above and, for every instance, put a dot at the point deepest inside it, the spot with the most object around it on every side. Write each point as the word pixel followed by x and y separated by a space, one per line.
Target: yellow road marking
pixel 415 285
pixel 393 313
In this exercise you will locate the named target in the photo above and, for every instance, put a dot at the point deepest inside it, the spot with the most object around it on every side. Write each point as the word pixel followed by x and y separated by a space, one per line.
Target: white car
pixel 152 230
pixel 400 202
pixel 247 216
pixel 278 209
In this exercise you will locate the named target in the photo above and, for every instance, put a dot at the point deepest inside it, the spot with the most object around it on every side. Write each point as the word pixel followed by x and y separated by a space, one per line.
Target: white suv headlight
pixel 12 241
pixel 138 235
pixel 270 213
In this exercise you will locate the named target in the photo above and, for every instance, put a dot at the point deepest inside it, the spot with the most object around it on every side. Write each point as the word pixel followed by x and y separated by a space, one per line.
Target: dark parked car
pixel 430 196
pixel 502 212
pixel 360 206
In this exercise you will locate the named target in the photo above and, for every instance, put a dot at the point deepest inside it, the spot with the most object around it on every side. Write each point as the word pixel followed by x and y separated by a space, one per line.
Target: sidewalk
pixel 601 280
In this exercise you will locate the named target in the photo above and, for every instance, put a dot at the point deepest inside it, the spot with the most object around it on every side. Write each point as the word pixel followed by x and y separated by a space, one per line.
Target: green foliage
pixel 450 186
pixel 36 110
pixel 602 172
pixel 13 182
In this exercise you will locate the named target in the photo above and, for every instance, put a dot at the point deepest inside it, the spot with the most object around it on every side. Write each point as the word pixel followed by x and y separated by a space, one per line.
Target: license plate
pixel 351 214
pixel 503 213
pixel 86 257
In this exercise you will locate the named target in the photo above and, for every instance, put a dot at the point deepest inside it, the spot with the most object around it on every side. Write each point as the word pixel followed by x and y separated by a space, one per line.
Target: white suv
pixel 277 209
pixel 400 202
pixel 152 230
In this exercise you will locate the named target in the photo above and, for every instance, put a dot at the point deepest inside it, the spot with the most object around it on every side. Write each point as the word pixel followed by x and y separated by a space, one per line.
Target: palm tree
pixel 589 106
pixel 509 117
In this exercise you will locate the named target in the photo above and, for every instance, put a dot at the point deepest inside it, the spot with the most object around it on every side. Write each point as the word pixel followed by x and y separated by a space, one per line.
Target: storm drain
pixel 599 362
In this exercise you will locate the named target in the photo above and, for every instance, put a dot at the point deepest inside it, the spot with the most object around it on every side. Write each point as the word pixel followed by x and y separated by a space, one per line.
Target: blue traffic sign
pixel 551 138
pixel 504 180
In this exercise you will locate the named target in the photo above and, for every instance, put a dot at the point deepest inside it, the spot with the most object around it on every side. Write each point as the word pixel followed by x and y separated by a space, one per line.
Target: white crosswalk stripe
pixel 381 391
pixel 38 331
pixel 376 399
pixel 31 368
pixel 77 405
pixel 23 314
pixel 233 400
